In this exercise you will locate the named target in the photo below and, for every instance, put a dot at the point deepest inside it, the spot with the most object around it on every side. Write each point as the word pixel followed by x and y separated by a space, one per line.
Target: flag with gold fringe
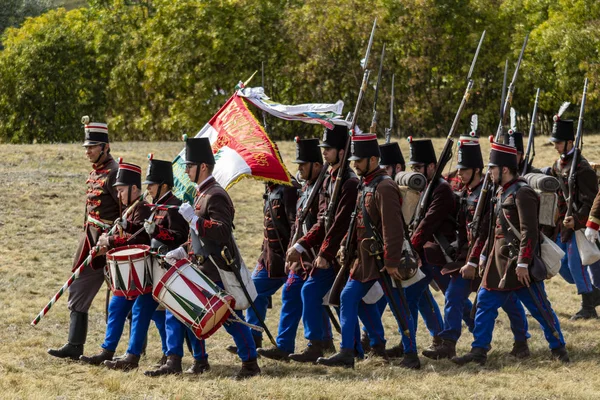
pixel 241 149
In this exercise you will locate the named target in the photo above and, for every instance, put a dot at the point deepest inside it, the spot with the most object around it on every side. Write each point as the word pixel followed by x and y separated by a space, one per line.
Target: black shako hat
pixel 515 139
pixel 364 146
pixel 95 133
pixel 128 175
pixel 502 155
pixel 198 151
pixel 159 171
pixel 469 156
pixel 336 137
pixel 390 154
pixel 421 151
pixel 307 150
pixel 563 130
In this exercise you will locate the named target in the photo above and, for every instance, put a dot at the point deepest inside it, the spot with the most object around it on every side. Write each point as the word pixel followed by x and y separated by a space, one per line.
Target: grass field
pixel 41 195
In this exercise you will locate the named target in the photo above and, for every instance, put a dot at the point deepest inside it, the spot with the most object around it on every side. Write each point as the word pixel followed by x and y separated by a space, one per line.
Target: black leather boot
pixel 561 354
pixel 171 367
pixel 198 367
pixel 249 369
pixel 588 310
pixel 257 342
pixel 476 355
pixel 77 334
pixel 410 361
pixel 379 351
pixel 446 350
pixel 99 358
pixel 127 363
pixel 436 341
pixel 520 350
pixel 329 346
pixel 395 352
pixel 345 358
pixel 311 353
pixel 274 353
pixel 365 341
pixel 161 362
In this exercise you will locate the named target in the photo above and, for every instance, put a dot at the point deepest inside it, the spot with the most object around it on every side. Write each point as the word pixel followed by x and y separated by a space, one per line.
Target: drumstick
pixel 66 286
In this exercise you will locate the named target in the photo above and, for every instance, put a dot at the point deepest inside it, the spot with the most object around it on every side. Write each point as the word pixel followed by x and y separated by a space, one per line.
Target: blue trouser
pixel 291 313
pixel 176 333
pixel 487 311
pixel 573 272
pixel 265 287
pixel 141 315
pixel 118 309
pixel 314 289
pixel 159 318
pixel 351 307
pixel 457 295
pixel 409 342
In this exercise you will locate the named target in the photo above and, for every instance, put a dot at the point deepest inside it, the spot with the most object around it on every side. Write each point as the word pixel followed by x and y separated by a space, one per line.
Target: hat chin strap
pixel 197 173
pixel 310 172
pixel 101 154
pixel 155 200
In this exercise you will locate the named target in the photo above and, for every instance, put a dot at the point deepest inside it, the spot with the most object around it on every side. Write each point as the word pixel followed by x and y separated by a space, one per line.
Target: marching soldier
pixel 587 186
pixel 392 159
pixel 433 236
pixel 101 209
pixel 464 278
pixel 167 230
pixel 378 209
pixel 128 184
pixel 323 273
pixel 510 264
pixel 310 162
pixel 211 225
pixel 269 275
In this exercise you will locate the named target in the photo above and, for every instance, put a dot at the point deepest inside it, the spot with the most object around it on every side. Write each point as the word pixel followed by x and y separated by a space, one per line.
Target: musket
pixel 503 88
pixel 483 196
pixel 329 213
pixel 577 146
pixel 373 128
pixel 446 153
pixel 530 152
pixel 388 131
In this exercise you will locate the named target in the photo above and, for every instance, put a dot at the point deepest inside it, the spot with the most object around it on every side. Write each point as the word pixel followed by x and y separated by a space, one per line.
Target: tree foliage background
pixel 154 69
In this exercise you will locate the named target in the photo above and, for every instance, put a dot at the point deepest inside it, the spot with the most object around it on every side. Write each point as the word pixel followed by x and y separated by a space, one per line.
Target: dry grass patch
pixel 40 219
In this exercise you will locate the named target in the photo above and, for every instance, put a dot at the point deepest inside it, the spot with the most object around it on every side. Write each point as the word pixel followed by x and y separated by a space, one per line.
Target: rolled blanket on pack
pixel 413 180
pixel 543 183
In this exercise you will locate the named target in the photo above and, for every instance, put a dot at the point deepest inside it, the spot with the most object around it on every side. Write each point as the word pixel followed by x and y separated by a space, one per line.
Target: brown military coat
pixel 277 227
pixel 331 240
pixel 135 225
pixel 586 190
pixel 594 218
pixel 521 209
pixel 101 210
pixel 171 228
pixel 438 219
pixel 385 212
pixel 307 258
pixel 215 212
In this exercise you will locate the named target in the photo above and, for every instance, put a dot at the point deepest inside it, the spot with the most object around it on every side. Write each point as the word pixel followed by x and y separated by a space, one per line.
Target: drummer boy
pixel 129 230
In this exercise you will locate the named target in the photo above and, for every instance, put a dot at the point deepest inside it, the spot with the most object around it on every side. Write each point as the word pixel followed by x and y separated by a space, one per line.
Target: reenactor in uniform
pixel 378 209
pixel 509 260
pixel 131 231
pixel 593 223
pixel 211 219
pixel 325 266
pixel 587 186
pixel 269 275
pixel 463 272
pixel 433 237
pixel 392 160
pixel 310 162
pixel 101 210
pixel 167 230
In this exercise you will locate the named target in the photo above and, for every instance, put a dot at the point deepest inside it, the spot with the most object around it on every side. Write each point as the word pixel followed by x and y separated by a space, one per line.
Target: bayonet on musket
pixel 373 128
pixel 388 131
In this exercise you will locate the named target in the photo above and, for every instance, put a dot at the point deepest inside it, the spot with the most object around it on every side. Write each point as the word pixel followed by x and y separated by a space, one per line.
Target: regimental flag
pixel 241 149
pixel 313 113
